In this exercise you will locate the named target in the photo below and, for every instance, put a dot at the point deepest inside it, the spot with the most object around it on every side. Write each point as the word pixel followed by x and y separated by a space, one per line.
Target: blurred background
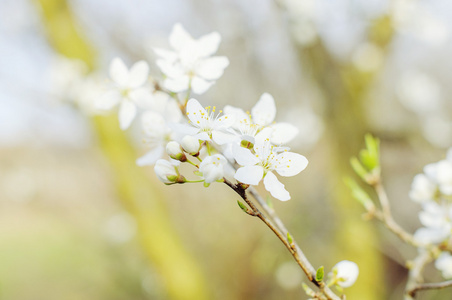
pixel 78 219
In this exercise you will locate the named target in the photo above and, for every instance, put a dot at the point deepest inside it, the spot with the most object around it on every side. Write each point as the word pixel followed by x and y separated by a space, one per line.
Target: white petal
pixel 142 97
pixel 153 124
pixel 283 133
pixel 183 129
pixel 199 85
pixel 224 122
pixel 264 111
pixel 169 68
pixel 263 136
pixel 138 74
pixel 290 164
pixel 195 111
pixel 275 187
pixel 179 37
pixel 109 100
pixel 238 113
pixel 222 138
pixel 208 44
pixel 167 55
pixel 243 156
pixel 212 68
pixel 127 112
pixel 151 157
pixel 203 136
pixel 119 72
pixel 249 174
pixel 177 85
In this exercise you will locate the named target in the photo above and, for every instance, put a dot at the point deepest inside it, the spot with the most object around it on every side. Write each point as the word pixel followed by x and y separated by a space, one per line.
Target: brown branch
pixel 430 286
pixel 386 218
pixel 281 232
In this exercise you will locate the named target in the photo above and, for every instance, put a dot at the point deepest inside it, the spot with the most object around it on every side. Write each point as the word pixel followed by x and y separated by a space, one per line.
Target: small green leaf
pixel 359 194
pixel 359 169
pixel 197 173
pixel 289 238
pixel 242 206
pixel 206 184
pixel 319 274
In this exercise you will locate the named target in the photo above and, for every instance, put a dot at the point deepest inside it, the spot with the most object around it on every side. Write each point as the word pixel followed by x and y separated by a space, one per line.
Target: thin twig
pixel 415 274
pixel 385 216
pixel 281 232
pixel 431 286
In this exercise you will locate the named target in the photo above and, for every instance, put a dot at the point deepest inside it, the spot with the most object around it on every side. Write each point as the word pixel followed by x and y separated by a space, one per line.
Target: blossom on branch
pixel 261 163
pixel 262 115
pixel 191 65
pixel 127 90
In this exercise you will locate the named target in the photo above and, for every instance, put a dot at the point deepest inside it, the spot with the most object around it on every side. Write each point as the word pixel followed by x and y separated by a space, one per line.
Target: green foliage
pixel 359 194
pixel 319 274
pixel 289 238
pixel 368 165
pixel 242 206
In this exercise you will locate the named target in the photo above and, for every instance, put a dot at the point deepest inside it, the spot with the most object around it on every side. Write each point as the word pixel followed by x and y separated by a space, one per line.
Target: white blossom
pixel 205 125
pixel 190 64
pixel 437 221
pixel 261 164
pixel 423 189
pixel 155 125
pixel 212 168
pixel 346 273
pixel 262 115
pixel 127 90
pixel 444 264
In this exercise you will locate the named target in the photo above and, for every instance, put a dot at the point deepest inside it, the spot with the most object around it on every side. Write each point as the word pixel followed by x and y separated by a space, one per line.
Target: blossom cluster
pixel 433 190
pixel 248 146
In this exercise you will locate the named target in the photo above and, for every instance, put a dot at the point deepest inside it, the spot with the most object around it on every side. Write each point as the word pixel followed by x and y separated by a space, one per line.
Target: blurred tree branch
pixel 183 278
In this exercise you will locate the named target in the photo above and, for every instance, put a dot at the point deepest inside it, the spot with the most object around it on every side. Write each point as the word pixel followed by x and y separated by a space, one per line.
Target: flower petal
pixel 138 74
pixel 169 68
pixel 249 174
pixel 283 133
pixel 264 111
pixel 208 44
pixel 290 164
pixel 224 122
pixel 151 157
pixel 238 113
pixel 142 97
pixel 243 156
pixel 195 112
pixel 222 138
pixel 179 37
pixel 127 112
pixel 212 68
pixel 119 72
pixel 178 84
pixel 108 100
pixel 275 187
pixel 167 55
pixel 199 85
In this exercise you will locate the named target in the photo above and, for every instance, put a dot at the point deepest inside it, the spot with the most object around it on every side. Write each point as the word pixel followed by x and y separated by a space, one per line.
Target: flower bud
pixel 346 273
pixel 175 151
pixel 191 145
pixel 212 168
pixel 167 172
